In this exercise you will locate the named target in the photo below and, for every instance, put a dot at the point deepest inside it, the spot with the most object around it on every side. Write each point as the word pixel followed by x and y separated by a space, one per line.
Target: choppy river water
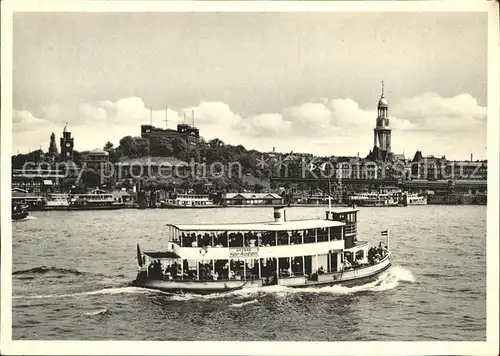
pixel 71 272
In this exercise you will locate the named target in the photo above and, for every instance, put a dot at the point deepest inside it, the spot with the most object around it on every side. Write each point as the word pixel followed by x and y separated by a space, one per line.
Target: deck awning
pixel 267 226
pixel 167 254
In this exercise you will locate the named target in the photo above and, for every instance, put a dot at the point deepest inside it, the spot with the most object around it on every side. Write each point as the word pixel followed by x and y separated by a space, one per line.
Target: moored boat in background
pixel 19 211
pixel 57 202
pixel 373 199
pixel 414 199
pixel 184 201
pixel 95 200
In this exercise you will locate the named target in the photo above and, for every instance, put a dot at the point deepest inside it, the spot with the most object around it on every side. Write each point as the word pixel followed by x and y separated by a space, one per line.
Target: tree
pixel 34 157
pixel 258 188
pixel 187 184
pixel 193 154
pixel 215 143
pixel 199 187
pixel 164 185
pixel 67 183
pixel 179 148
pixel 90 178
pixel 152 185
pixel 134 147
pixel 161 146
pixel 78 158
pixel 114 155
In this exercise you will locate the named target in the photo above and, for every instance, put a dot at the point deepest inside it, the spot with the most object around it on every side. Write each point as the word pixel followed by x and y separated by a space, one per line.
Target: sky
pixel 307 82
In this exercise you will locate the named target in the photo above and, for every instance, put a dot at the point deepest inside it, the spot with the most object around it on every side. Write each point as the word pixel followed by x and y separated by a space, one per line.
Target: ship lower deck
pixel 349 277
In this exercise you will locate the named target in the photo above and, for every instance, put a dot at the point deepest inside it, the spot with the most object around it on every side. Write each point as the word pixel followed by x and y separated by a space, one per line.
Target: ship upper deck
pixel 342 210
pixel 262 226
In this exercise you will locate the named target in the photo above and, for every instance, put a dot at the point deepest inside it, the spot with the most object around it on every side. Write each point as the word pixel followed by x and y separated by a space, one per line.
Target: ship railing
pixel 296 240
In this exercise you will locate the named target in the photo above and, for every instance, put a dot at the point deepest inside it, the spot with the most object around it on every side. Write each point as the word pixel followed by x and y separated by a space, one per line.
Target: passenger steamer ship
pixel 207 258
pixel 95 200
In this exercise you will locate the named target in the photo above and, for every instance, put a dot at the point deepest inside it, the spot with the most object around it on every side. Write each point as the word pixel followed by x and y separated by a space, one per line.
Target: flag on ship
pixel 385 233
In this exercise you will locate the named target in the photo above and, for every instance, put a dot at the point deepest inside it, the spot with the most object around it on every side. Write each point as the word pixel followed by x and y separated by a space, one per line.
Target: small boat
pixel 19 211
pixel 208 258
pixel 373 199
pixel 414 199
pixel 189 201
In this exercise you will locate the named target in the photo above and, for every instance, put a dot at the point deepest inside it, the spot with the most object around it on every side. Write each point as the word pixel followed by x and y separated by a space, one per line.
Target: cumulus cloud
pixel 329 126
pixel 268 125
pixel 309 117
pixel 23 120
pixel 431 112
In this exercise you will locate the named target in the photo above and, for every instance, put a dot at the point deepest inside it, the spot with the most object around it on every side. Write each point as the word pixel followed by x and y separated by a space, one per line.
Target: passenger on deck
pixel 380 250
pixel 347 264
pixel 321 270
pixel 371 253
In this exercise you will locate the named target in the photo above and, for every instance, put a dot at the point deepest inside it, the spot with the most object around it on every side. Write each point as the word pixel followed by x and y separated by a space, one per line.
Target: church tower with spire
pixel 52 145
pixel 67 145
pixel 382 130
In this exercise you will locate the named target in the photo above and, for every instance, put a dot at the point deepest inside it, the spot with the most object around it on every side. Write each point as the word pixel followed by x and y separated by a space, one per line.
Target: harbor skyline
pixel 304 176
pixel 252 87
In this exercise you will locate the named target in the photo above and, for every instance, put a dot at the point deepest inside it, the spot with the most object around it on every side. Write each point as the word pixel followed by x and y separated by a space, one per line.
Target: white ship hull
pixel 186 206
pixel 349 277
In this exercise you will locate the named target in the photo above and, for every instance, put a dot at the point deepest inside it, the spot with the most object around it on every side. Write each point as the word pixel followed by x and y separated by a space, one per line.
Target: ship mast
pixel 329 194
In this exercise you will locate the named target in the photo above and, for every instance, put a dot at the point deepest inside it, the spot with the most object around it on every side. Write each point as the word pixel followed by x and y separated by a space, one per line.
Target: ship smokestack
pixel 279 214
pixel 471 157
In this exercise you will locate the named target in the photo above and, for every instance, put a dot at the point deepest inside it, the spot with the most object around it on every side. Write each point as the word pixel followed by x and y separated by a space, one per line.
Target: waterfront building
pixel 38 181
pixel 468 170
pixel 190 134
pixel 97 160
pixel 434 168
pixel 252 199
